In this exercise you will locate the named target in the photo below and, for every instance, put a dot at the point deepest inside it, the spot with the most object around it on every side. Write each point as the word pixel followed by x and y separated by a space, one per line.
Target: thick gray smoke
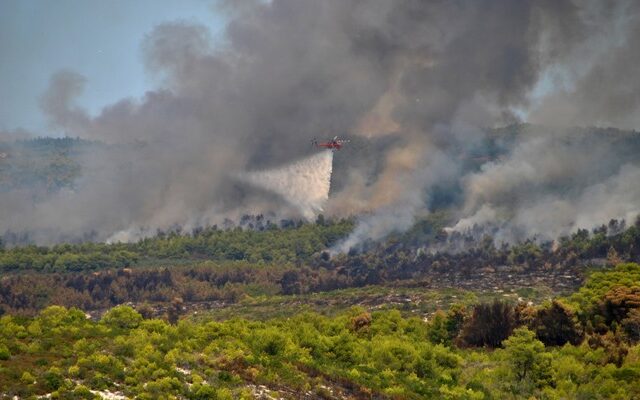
pixel 554 182
pixel 424 77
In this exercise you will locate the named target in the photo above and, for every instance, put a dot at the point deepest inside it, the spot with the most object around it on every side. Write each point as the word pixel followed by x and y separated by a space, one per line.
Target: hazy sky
pixel 98 39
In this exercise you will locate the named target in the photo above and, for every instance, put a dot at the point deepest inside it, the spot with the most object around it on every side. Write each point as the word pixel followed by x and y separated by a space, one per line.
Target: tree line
pixel 224 265
pixel 255 240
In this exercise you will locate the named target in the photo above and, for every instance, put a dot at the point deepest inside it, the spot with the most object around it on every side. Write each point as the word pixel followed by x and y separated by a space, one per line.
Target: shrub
pixel 5 354
pixel 123 317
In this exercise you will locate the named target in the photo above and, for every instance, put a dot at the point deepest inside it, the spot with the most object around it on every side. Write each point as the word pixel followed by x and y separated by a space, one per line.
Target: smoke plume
pixel 417 85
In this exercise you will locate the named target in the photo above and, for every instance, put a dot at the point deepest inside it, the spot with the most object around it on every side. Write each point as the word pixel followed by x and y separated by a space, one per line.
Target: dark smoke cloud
pixel 415 82
pixel 602 85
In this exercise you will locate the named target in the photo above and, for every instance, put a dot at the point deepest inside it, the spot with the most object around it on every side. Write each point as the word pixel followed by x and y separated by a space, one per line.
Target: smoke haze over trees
pixel 417 84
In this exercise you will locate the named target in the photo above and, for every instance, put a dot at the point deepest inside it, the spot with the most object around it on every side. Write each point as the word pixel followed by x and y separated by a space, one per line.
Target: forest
pixel 259 257
pixel 263 308
pixel 584 345
pixel 235 312
pixel 320 200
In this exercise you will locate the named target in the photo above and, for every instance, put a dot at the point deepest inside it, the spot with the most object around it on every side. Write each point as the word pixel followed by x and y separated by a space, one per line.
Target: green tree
pixel 5 354
pixel 202 392
pixel 53 378
pixel 437 331
pixel 123 317
pixel 527 358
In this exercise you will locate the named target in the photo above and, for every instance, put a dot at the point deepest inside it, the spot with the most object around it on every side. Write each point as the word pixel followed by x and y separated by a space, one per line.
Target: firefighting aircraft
pixel 334 144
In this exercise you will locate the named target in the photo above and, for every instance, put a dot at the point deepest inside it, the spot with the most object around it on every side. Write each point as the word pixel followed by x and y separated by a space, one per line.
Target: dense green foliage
pixel 382 354
pixel 258 240
pixel 602 282
pixel 266 243
pixel 357 354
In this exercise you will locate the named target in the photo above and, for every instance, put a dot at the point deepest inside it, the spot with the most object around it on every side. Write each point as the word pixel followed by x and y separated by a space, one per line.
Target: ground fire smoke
pixel 304 184
pixel 419 84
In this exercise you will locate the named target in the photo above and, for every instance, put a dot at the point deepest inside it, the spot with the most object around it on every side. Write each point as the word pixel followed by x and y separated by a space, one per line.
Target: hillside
pixel 263 307
pixel 45 163
pixel 580 346
pixel 34 172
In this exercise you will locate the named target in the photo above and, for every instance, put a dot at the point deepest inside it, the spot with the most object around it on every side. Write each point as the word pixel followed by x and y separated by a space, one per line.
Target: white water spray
pixel 304 184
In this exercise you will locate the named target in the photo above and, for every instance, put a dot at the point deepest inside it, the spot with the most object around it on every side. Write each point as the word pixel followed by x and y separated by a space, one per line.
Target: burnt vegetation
pixel 291 258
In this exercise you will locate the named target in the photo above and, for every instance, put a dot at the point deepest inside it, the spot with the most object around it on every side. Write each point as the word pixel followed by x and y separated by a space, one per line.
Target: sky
pixel 100 40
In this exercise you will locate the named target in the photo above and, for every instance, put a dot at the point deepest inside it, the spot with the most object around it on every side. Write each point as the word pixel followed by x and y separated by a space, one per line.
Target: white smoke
pixel 484 215
pixel 553 183
pixel 128 235
pixel 304 184
pixel 416 166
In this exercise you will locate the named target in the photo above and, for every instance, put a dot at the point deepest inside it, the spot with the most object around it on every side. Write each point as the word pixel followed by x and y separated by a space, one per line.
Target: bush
pixel 5 354
pixel 271 341
pixel 27 378
pixel 202 392
pixel 527 358
pixel 123 317
pixel 53 379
